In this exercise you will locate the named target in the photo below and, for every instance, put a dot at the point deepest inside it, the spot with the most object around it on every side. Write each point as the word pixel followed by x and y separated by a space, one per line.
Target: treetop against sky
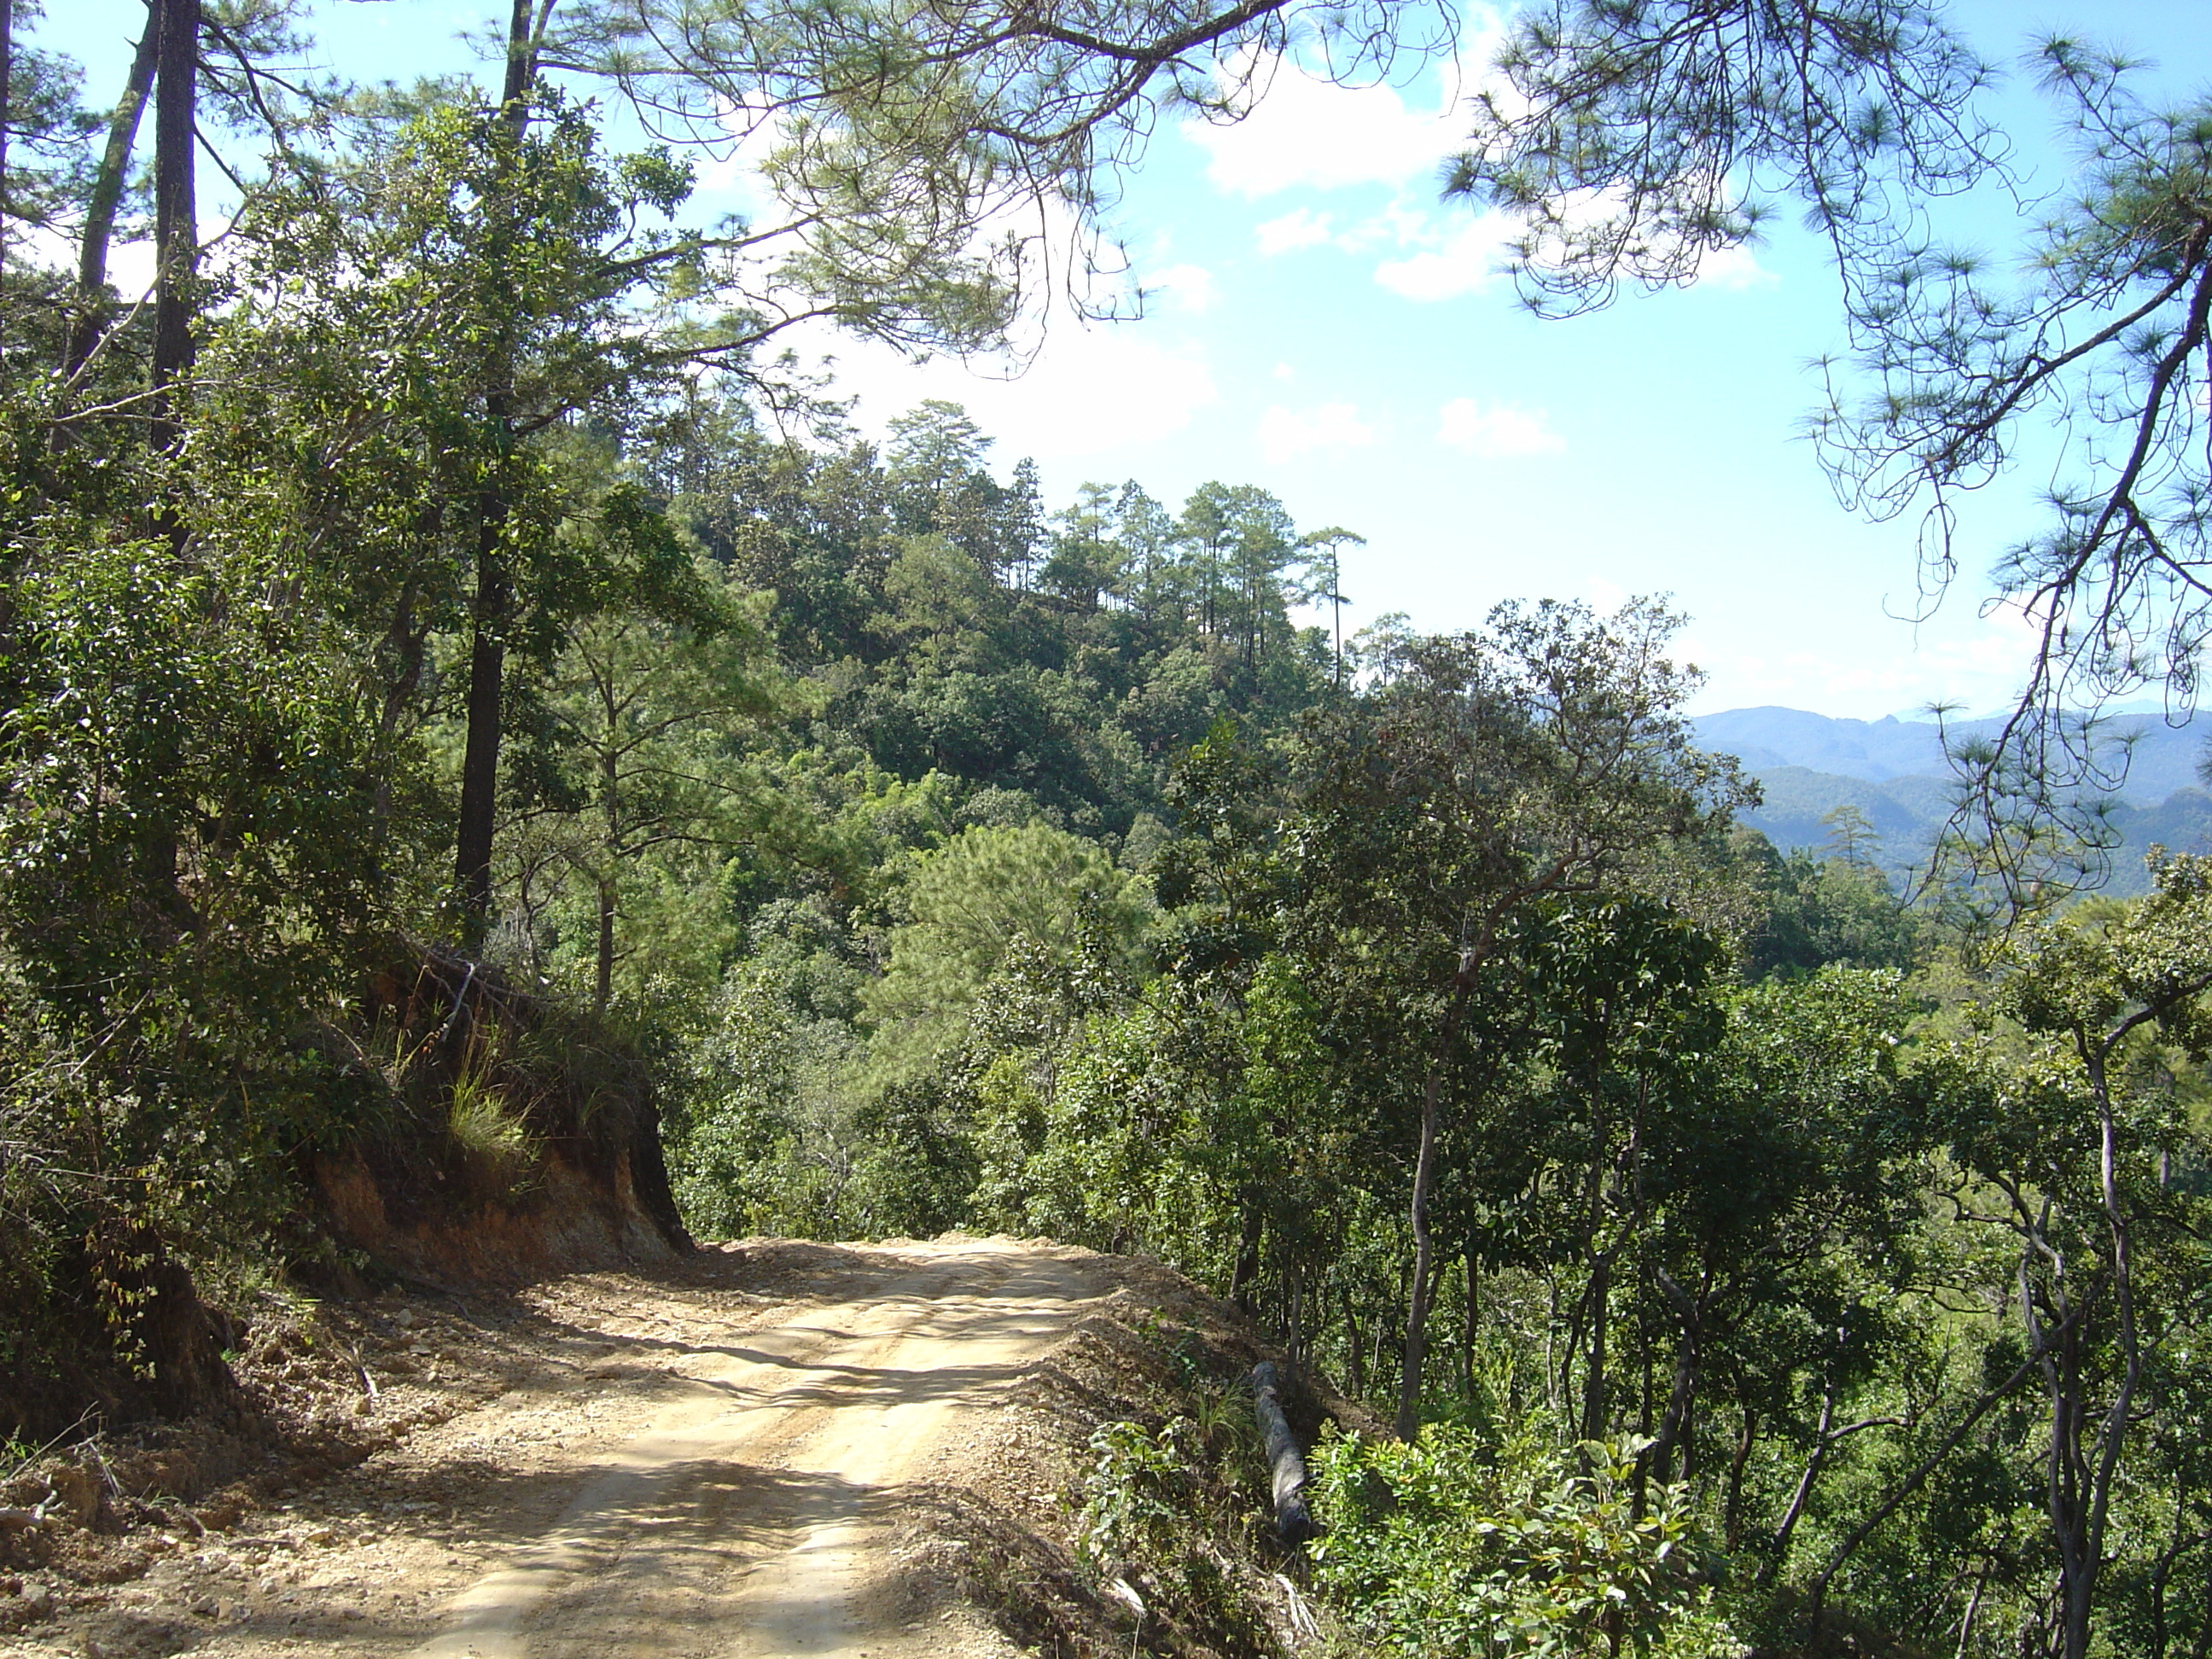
pixel 1320 322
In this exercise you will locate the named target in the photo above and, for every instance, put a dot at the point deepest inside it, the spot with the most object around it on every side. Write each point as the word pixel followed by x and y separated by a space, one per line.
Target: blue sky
pixel 1322 326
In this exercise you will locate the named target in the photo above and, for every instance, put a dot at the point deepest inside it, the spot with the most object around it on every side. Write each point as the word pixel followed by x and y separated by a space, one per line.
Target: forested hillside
pixel 490 756
pixel 1898 776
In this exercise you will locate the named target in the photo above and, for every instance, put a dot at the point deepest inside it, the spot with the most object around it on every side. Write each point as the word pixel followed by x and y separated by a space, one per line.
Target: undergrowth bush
pixel 1172 1518
pixel 1441 1549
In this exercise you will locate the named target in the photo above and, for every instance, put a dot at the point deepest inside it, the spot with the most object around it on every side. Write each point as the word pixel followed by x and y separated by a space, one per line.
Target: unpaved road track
pixel 699 1476
pixel 751 1517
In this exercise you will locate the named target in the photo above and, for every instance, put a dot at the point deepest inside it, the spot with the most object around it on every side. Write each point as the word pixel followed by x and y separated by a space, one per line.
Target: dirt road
pixel 729 1464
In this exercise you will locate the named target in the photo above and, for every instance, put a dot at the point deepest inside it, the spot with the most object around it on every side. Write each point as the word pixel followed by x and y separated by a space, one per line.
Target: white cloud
pixel 1497 432
pixel 732 180
pixel 1467 260
pixel 1964 658
pixel 1604 595
pixel 129 263
pixel 1191 286
pixel 1735 268
pixel 1308 130
pixel 1090 391
pixel 1286 434
pixel 1299 228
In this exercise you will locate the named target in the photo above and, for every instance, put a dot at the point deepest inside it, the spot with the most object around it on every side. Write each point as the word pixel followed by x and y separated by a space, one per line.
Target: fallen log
pixel 1285 1462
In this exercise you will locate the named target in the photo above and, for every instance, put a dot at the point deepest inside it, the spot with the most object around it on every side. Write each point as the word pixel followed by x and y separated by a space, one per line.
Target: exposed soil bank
pixel 764 1450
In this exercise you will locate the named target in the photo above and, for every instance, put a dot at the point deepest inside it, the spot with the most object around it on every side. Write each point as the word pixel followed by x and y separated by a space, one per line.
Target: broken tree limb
pixel 1285 1462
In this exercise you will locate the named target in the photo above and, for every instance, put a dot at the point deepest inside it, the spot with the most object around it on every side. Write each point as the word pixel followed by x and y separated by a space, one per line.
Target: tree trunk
pixel 7 120
pixel 1598 1298
pixel 1247 1267
pixel 480 758
pixel 2084 1466
pixel 1286 1465
pixel 603 983
pixel 1674 1428
pixel 105 200
pixel 1355 1347
pixel 1470 1320
pixel 472 838
pixel 1732 1508
pixel 612 805
pixel 1417 1308
pixel 176 239
pixel 176 225
pixel 1424 1176
pixel 1779 1554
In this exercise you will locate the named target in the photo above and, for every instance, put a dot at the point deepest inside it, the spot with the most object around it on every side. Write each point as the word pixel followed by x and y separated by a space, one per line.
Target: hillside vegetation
pixel 495 776
pixel 1899 777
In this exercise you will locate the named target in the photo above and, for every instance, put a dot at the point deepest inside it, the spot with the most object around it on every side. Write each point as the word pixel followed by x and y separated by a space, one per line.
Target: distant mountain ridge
pixel 1893 771
pixel 2164 758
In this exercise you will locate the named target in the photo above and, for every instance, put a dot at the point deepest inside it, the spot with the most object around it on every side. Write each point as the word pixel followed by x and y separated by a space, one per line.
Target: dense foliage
pixel 418 597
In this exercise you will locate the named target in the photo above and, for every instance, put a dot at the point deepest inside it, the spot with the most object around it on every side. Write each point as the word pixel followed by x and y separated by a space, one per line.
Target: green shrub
pixel 1436 1549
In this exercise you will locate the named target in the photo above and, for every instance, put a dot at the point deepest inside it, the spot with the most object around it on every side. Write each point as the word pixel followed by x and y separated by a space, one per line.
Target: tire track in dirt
pixel 750 1515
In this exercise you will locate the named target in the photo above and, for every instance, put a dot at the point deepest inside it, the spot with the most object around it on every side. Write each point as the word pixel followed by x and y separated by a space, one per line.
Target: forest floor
pixel 771 1449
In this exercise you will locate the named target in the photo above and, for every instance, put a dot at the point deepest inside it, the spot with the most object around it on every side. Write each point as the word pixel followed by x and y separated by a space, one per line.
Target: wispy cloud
pixel 1467 260
pixel 1735 268
pixel 1499 432
pixel 1191 287
pixel 1092 390
pixel 1286 434
pixel 1309 133
pixel 1299 228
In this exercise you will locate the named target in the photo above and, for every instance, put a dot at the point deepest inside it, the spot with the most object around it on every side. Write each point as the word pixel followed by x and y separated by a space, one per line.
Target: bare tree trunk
pixel 602 988
pixel 176 237
pixel 1355 1348
pixel 1732 1508
pixel 1246 1268
pixel 480 757
pixel 472 836
pixel 1470 1321
pixel 1817 1594
pixel 105 200
pixel 610 814
pixel 1674 1428
pixel 2084 1466
pixel 176 225
pixel 1598 1297
pixel 1286 1464
pixel 6 120
pixel 1417 1308
pixel 1787 1527
pixel 1424 1176
pixel 1974 1607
